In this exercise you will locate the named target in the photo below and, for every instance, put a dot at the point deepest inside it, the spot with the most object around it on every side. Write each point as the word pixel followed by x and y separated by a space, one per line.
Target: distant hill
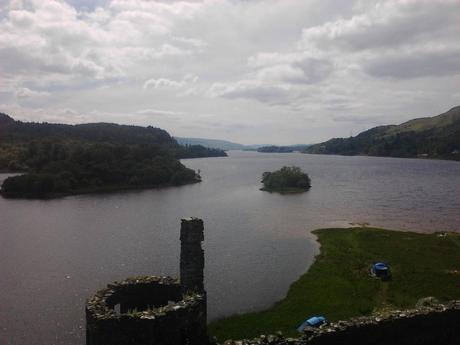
pixel 431 137
pixel 4 119
pixel 12 131
pixel 17 132
pixel 59 159
pixel 282 149
pixel 216 143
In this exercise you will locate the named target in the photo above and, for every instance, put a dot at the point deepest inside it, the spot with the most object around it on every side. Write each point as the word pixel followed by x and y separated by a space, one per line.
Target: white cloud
pixel 190 41
pixel 325 65
pixel 387 24
pixel 159 112
pixel 168 83
pixel 252 89
pixel 48 114
pixel 52 38
pixel 307 71
pixel 25 92
pixel 163 82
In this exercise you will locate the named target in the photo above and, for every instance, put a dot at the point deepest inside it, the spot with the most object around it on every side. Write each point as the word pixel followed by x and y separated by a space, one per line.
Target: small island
pixel 286 180
pixel 275 149
pixel 283 149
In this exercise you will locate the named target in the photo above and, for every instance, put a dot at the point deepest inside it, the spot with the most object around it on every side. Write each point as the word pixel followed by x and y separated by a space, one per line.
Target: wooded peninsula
pixel 57 159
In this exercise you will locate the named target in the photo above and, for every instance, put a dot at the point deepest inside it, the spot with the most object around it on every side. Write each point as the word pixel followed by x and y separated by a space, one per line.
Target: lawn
pixel 338 284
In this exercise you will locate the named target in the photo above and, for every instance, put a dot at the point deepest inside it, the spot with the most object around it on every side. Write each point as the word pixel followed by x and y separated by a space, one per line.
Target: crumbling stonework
pixel 427 325
pixel 163 311
pixel 154 310
pixel 191 255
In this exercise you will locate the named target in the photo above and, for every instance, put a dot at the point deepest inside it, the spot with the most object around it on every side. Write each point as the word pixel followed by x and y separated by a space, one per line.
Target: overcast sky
pixel 281 72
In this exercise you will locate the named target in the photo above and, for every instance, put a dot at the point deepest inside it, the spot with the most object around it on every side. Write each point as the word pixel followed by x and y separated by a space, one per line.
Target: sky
pixel 250 71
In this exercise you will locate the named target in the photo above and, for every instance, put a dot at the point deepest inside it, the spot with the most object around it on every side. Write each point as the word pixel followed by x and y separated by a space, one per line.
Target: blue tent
pixel 314 321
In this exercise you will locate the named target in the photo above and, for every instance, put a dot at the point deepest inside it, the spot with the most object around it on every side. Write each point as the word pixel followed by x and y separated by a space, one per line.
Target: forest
pixel 57 159
pixel 286 180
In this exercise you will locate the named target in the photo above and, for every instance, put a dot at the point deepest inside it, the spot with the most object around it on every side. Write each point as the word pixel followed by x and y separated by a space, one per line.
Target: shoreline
pixel 285 190
pixel 456 159
pixel 101 190
pixel 338 284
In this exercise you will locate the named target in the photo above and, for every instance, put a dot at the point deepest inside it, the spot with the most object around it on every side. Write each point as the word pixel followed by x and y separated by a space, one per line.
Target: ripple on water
pixel 56 253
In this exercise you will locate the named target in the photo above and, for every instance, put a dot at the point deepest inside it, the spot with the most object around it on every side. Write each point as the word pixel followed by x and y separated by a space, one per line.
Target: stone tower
pixel 151 310
pixel 191 256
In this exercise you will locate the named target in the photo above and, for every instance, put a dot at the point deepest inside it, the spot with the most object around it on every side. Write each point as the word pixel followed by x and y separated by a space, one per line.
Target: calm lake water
pixel 54 254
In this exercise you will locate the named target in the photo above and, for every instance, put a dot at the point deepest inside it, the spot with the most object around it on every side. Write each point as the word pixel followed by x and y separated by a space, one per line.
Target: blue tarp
pixel 380 266
pixel 314 321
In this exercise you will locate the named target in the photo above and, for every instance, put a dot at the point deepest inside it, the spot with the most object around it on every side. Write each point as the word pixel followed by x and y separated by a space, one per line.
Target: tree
pixel 286 179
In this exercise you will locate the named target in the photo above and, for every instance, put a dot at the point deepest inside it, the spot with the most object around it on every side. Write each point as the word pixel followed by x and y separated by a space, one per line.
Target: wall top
pixel 99 306
pixel 192 230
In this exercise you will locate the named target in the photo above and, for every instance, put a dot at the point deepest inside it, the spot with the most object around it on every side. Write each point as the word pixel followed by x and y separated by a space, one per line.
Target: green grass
pixel 338 284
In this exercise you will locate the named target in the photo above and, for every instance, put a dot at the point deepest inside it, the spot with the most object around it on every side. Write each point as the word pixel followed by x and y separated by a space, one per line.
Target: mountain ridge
pixel 430 137
pixel 216 143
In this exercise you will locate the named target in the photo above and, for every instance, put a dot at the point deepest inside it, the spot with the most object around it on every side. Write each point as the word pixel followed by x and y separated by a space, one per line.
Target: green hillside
pixel 338 284
pixel 431 137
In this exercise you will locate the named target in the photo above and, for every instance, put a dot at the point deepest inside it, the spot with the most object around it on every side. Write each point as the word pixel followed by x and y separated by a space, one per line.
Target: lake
pixel 56 253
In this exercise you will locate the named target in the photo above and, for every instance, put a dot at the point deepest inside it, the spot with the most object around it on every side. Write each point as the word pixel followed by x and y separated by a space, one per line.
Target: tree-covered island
pixel 286 180
pixel 56 159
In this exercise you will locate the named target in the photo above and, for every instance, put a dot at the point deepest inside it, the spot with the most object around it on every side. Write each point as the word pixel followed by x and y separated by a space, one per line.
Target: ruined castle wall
pixel 143 296
pixel 441 328
pixel 153 310
pixel 162 311
pixel 177 321
pixel 191 255
pixel 166 330
pixel 434 325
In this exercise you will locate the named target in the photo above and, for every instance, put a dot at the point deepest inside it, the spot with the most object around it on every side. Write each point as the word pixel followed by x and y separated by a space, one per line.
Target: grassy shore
pixel 338 284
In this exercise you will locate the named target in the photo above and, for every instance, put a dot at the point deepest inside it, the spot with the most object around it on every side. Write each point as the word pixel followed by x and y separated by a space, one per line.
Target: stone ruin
pixel 432 324
pixel 154 310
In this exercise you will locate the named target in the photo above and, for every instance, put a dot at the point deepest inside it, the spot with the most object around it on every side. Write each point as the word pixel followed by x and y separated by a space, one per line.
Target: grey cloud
pixel 315 70
pixel 292 67
pixel 25 92
pixel 49 114
pixel 359 119
pixel 278 79
pixel 251 89
pixel 52 37
pixel 415 64
pixel 160 112
pixel 187 41
pixel 316 63
pixel 388 24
